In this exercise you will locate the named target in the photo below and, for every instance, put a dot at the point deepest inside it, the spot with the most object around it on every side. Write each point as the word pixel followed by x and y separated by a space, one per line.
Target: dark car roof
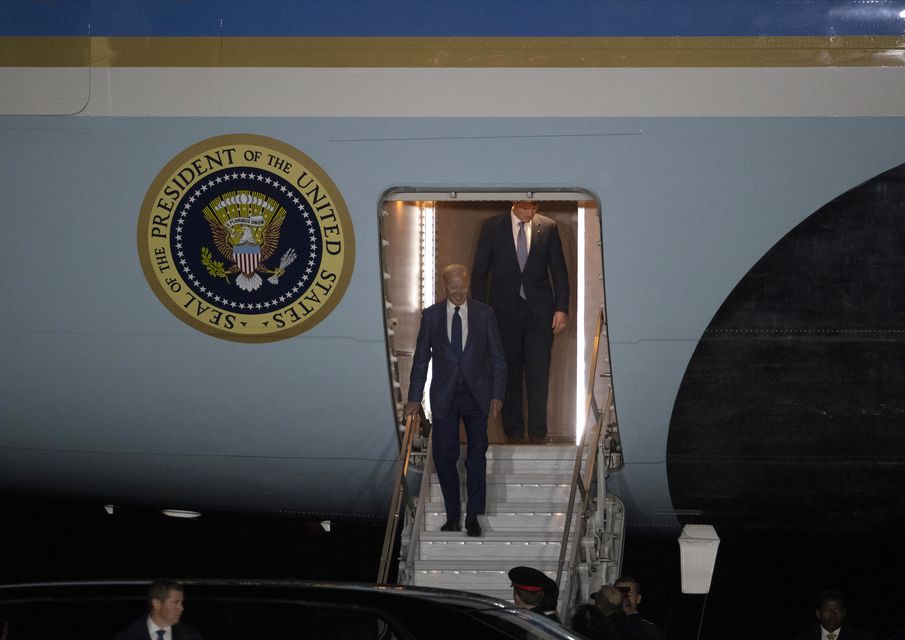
pixel 263 609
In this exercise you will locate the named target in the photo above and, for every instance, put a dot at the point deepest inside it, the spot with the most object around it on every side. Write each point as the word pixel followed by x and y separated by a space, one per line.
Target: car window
pixel 523 625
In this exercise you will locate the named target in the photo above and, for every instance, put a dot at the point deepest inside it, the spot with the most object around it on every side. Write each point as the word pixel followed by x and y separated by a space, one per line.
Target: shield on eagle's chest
pixel 246 256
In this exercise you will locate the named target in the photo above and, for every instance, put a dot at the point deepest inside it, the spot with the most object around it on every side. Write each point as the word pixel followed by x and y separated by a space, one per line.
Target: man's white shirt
pixel 152 631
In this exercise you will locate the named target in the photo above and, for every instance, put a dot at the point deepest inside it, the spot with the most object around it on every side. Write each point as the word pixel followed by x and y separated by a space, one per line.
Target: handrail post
pixel 399 490
pixel 423 498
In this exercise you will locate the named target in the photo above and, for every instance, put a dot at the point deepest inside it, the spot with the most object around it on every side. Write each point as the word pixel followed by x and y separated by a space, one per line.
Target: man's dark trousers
pixel 446 453
pixel 527 347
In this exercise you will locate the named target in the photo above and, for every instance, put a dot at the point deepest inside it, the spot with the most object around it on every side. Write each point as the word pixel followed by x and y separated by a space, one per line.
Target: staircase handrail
pixel 585 482
pixel 419 514
pixel 400 494
pixel 590 439
pixel 579 450
pixel 582 484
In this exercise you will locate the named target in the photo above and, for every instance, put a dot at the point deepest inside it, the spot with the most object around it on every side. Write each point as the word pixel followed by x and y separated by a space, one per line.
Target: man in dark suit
pixel 831 625
pixel 165 598
pixel 609 601
pixel 520 269
pixel 636 626
pixel 469 376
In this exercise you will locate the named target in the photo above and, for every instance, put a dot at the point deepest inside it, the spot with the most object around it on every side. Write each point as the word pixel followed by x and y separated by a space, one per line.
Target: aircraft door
pixel 424 232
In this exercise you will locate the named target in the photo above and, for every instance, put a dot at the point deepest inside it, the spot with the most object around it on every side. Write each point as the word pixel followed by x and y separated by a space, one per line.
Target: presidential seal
pixel 245 238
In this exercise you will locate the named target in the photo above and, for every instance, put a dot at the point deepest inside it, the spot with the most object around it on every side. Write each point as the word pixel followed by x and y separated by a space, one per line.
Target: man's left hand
pixel 560 322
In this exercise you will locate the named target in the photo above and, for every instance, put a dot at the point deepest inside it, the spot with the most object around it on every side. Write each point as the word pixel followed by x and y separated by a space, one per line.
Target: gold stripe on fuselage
pixel 459 52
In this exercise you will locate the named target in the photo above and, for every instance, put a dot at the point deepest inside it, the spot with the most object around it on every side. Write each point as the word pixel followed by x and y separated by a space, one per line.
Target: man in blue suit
pixel 469 380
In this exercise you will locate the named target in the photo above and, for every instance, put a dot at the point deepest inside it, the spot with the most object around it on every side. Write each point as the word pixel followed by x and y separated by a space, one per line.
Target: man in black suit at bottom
pixel 165 598
pixel 830 614
pixel 461 337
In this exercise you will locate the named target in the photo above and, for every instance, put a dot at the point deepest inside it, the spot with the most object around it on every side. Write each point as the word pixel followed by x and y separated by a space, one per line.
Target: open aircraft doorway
pixel 422 231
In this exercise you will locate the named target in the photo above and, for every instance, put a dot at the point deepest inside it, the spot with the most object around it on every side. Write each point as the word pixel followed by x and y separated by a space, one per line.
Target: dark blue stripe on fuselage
pixel 706 18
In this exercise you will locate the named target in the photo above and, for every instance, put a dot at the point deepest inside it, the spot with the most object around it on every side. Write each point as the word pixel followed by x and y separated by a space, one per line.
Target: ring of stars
pixel 186 268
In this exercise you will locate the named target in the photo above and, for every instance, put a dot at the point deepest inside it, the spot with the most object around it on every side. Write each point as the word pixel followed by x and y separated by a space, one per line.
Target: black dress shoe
pixel 451 525
pixel 472 528
pixel 515 438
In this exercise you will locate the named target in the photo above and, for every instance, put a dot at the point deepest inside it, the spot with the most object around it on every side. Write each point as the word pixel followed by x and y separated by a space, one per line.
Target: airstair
pixel 547 507
pixel 528 489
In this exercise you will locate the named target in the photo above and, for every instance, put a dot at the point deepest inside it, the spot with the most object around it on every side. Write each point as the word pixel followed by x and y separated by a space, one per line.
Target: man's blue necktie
pixel 521 251
pixel 456 340
pixel 455 337
pixel 160 634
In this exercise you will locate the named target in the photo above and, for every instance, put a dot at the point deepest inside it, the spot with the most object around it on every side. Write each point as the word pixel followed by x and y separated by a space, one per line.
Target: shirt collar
pixel 152 628
pixel 451 307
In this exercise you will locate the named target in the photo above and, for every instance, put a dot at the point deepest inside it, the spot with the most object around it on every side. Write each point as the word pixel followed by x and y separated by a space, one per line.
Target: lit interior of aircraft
pixel 420 236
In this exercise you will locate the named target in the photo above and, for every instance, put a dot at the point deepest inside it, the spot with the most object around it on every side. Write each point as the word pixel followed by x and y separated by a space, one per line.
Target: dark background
pixel 764 584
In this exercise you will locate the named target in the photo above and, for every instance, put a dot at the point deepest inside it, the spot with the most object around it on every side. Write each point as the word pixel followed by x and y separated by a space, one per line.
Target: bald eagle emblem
pixel 245 226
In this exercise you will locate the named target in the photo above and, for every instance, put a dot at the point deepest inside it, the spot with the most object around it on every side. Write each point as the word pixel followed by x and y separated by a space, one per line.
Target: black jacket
pixel 138 630
pixel 845 632
pixel 496 278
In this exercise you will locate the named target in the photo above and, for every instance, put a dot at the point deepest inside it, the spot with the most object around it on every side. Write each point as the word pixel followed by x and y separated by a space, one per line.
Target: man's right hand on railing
pixel 411 408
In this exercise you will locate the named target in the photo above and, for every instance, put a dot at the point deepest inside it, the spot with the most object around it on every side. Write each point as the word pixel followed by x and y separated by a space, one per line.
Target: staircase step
pixel 525 465
pixel 511 487
pixel 526 547
pixel 506 516
pixel 529 452
pixel 526 459
pixel 471 576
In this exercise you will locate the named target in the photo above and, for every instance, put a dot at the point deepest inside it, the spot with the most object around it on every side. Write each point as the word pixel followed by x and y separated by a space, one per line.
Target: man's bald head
pixel 453 269
pixel 455 281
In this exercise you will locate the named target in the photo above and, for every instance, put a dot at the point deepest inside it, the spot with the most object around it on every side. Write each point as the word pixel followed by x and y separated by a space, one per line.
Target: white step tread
pixel 499 508
pixel 517 547
pixel 513 537
pixel 516 554
pixel 471 576
pixel 527 465
pixel 532 518
pixel 515 488
pixel 487 566
pixel 530 477
pixel 533 450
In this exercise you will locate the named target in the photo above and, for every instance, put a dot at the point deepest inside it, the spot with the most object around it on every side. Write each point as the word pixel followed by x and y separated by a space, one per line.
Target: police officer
pixel 535 591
